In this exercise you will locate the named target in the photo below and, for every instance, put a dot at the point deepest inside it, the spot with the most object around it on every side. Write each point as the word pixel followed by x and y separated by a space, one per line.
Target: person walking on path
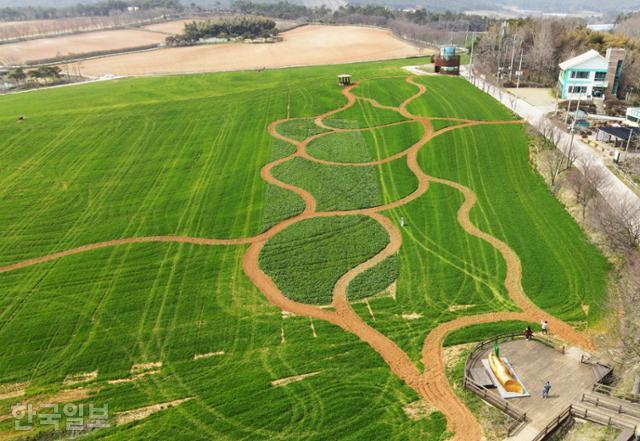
pixel 528 333
pixel 545 389
pixel 545 327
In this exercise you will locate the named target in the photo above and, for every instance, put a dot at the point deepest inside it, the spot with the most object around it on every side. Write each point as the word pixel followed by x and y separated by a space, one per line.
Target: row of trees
pixel 614 225
pixel 290 11
pixel 543 44
pixel 38 28
pixel 224 27
pixel 421 25
pixel 99 9
pixel 43 74
pixel 629 25
pixel 282 9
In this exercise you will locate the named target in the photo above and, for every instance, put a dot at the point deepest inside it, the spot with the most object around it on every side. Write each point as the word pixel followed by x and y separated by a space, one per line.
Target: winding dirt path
pixel 432 384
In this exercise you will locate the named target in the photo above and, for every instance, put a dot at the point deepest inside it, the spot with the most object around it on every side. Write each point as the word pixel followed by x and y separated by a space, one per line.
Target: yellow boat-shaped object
pixel 503 374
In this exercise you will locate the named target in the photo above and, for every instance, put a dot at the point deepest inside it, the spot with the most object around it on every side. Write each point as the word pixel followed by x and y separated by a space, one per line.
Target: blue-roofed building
pixel 591 76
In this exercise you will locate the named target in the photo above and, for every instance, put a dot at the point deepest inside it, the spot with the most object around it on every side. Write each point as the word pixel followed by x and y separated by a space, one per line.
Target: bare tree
pixel 571 155
pixel 621 223
pixel 629 292
pixel 587 184
pixel 541 54
pixel 552 163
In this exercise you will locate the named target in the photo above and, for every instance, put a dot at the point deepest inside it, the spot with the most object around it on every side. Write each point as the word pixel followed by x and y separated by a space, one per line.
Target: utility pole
pixel 577 108
pixel 473 43
pixel 502 36
pixel 626 150
pixel 519 72
pixel 573 125
pixel 575 116
pixel 513 56
pixel 566 117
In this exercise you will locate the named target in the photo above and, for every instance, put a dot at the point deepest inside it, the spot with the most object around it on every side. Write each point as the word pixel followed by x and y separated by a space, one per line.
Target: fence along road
pixel 613 190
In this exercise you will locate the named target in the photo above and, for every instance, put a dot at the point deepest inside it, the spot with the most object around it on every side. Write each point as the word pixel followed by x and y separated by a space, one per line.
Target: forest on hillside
pixel 568 6
pixel 544 43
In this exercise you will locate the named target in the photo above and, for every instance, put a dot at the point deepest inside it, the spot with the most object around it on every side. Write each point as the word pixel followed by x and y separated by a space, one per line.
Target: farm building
pixel 601 27
pixel 591 76
pixel 344 79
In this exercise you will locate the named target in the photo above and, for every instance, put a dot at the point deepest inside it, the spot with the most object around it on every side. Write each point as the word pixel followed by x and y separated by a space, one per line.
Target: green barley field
pixel 182 156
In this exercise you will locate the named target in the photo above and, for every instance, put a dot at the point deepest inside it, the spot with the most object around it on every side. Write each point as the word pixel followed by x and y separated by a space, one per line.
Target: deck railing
pixel 554 424
pixel 585 414
pixel 616 406
pixel 600 418
pixel 605 389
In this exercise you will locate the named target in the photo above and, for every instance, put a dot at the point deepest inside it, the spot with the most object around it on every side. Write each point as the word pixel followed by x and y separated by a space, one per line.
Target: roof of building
pixel 591 57
pixel 602 27
pixel 622 133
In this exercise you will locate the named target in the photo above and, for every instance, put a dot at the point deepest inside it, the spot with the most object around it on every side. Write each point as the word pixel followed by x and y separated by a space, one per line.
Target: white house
pixel 590 75
pixel 633 116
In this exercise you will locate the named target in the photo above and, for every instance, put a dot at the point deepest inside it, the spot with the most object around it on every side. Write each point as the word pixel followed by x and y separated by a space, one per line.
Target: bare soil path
pixel 432 384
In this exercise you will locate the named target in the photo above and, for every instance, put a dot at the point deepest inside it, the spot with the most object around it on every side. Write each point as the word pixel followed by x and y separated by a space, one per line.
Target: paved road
pixel 615 192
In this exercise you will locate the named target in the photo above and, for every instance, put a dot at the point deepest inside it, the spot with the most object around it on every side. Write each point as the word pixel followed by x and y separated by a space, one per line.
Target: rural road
pixel 614 191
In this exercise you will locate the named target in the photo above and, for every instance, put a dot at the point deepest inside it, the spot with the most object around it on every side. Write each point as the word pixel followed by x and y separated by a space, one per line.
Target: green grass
pixel 387 91
pixel 307 259
pixel 366 145
pixel 467 102
pixel 299 129
pixel 439 266
pixel 440 124
pixel 374 280
pixel 334 187
pixel 176 155
pixel 280 203
pixel 363 114
pixel 347 188
pixel 553 250
pixel 149 156
pixel 182 155
pixel 111 308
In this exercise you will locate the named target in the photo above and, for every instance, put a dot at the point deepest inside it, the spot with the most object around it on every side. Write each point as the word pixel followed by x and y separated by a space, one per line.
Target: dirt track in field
pixel 432 383
pixel 304 46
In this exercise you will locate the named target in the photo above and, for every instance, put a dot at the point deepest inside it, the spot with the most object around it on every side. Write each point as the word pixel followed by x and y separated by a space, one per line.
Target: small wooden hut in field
pixel 344 80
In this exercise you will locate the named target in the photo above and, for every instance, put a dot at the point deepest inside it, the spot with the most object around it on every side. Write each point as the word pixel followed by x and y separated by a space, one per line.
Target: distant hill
pixel 551 6
pixel 47 3
pixel 43 3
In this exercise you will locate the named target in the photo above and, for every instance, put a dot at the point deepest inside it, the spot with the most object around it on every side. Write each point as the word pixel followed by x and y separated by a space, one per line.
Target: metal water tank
pixel 448 52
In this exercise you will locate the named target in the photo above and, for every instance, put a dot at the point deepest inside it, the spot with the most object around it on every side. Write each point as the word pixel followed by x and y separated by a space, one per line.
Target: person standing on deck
pixel 545 389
